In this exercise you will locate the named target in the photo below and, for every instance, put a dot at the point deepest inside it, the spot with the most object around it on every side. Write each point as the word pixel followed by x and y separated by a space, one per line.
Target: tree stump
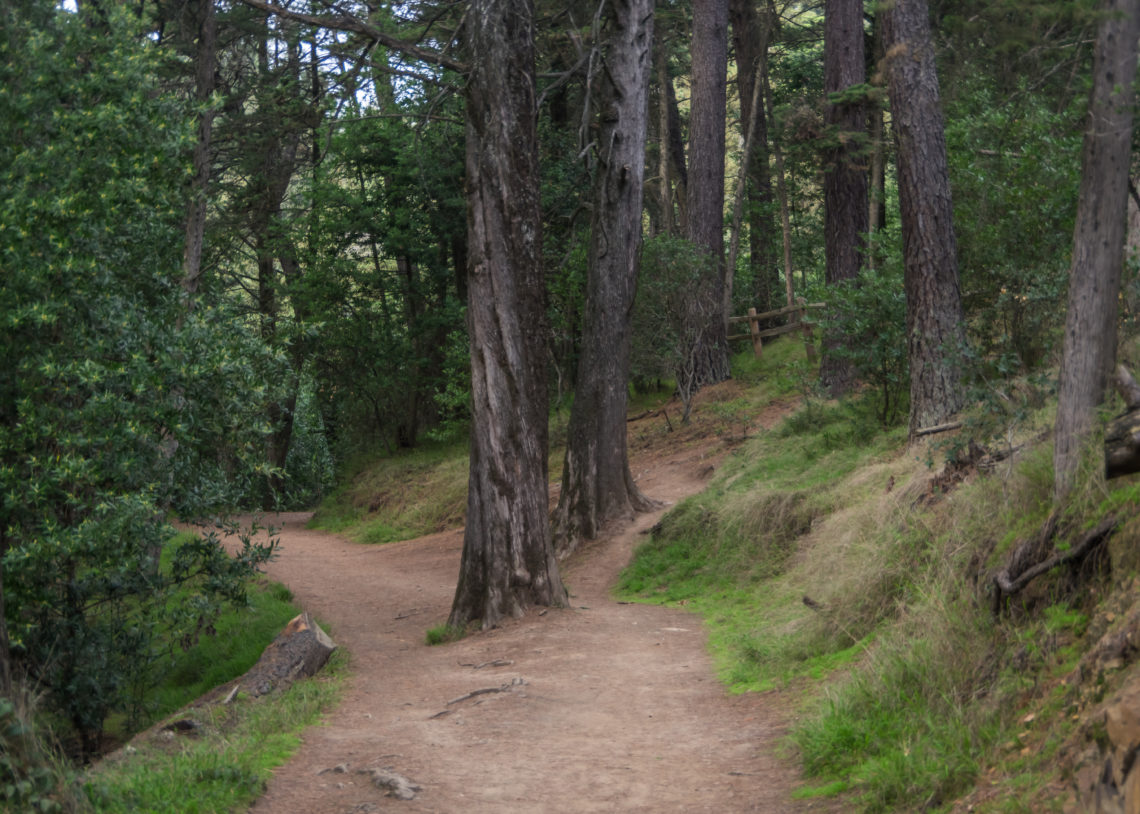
pixel 1122 436
pixel 299 651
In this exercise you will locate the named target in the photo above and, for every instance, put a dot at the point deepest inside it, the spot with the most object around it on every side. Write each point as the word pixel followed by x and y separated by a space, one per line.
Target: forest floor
pixel 600 707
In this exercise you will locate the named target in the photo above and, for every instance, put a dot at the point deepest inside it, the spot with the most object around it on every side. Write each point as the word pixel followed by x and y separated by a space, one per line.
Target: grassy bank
pixel 831 561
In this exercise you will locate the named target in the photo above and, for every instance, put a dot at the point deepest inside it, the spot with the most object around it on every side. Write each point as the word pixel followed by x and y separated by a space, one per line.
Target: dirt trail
pixel 614 708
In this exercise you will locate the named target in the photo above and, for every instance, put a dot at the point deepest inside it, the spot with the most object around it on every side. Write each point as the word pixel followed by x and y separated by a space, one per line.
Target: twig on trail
pixel 409 614
pixel 667 421
pixel 494 663
pixel 439 714
pixel 514 682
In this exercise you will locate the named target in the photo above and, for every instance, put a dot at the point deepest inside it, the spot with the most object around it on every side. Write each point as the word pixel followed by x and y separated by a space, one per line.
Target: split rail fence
pixel 797 321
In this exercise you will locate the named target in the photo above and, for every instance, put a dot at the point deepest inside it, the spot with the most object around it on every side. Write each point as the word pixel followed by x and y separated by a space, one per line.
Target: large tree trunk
pixel 1089 350
pixel 204 70
pixel 597 485
pixel 844 172
pixel 930 258
pixel 706 172
pixel 508 559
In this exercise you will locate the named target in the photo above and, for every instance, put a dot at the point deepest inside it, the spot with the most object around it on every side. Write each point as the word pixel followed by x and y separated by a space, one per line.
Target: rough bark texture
pixel 508 560
pixel 845 173
pixel 933 298
pixel 596 482
pixel 299 651
pixel 1089 349
pixel 204 71
pixel 706 170
pixel 751 34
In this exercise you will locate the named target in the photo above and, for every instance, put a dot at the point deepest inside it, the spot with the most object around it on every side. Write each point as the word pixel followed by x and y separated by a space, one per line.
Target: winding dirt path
pixel 609 708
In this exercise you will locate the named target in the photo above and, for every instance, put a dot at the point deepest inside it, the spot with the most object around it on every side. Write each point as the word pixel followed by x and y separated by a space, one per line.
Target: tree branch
pixel 357 26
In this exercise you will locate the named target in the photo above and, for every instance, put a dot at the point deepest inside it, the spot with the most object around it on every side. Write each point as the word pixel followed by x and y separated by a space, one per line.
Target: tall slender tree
pixel 934 327
pixel 844 174
pixel 508 558
pixel 706 172
pixel 597 485
pixel 751 36
pixel 1089 349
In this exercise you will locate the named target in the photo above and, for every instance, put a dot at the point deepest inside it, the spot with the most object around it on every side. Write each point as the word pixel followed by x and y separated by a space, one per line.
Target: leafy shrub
pixel 118 405
pixel 870 312
pixel 672 310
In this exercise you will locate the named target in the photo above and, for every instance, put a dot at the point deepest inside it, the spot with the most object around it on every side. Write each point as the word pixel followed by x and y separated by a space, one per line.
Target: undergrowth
pixel 398 497
pixel 829 558
pixel 224 769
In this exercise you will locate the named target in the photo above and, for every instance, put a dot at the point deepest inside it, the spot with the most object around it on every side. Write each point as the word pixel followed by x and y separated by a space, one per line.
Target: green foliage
pixel 117 404
pixel 227 767
pixel 870 312
pixel 239 637
pixel 398 497
pixel 1014 171
pixel 29 779
pixel 671 311
pixel 444 634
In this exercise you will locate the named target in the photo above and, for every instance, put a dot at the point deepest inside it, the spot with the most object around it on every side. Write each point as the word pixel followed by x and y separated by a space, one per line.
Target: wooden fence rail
pixel 797 321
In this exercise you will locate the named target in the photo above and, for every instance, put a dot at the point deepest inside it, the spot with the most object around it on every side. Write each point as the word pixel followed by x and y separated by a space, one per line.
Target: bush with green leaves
pixel 673 307
pixel 870 311
pixel 119 405
pixel 1015 173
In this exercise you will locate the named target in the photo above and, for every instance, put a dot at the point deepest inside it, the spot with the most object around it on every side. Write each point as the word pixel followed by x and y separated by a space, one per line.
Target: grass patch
pixel 241 636
pixel 224 769
pixel 442 634
pixel 828 557
pixel 406 495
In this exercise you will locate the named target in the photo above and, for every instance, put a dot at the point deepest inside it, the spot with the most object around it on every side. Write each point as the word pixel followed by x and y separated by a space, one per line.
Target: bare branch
pixel 357 26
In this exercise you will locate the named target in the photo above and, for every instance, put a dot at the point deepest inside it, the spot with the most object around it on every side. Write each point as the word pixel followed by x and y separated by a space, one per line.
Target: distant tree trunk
pixel 508 560
pixel 930 256
pixel 5 651
pixel 877 218
pixel 751 35
pixel 706 171
pixel 597 485
pixel 844 173
pixel 205 66
pixel 1089 351
pixel 674 171
pixel 781 182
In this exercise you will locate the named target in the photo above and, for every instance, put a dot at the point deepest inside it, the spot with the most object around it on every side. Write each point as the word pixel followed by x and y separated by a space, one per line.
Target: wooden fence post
pixel 754 329
pixel 809 338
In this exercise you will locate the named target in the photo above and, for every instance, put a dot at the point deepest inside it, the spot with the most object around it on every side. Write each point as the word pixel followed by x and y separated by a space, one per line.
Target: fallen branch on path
pixel 395 785
pixel 494 663
pixel 514 682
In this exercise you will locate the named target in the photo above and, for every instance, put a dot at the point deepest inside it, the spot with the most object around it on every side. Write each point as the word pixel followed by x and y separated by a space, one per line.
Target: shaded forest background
pixel 234 242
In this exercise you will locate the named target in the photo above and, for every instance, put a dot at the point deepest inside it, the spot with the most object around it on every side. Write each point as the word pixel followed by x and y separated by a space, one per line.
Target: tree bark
pixel 930 259
pixel 844 174
pixel 508 559
pixel 1089 348
pixel 706 171
pixel 597 485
